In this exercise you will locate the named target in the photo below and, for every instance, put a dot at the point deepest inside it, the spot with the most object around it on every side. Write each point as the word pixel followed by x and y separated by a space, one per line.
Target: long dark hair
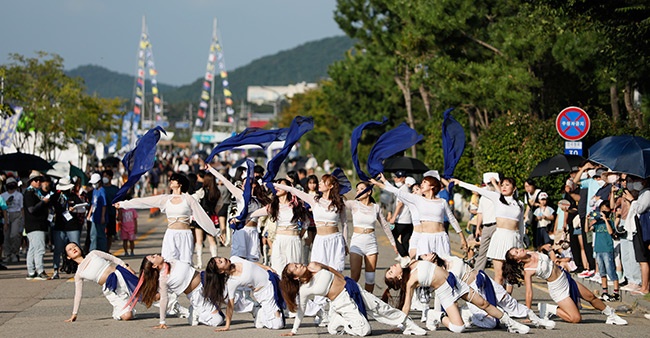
pixel 68 265
pixel 513 271
pixel 289 287
pixel 502 198
pixel 182 180
pixel 314 179
pixel 215 283
pixel 367 184
pixel 149 283
pixel 260 194
pixel 397 284
pixel 337 204
pixel 299 211
pixel 212 195
pixel 293 175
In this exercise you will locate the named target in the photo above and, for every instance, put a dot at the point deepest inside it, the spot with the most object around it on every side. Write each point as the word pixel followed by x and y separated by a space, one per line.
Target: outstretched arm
pixel 236 192
pixel 300 194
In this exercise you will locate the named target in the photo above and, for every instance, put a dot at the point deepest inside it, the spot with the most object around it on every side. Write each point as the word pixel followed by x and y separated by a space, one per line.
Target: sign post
pixel 572 123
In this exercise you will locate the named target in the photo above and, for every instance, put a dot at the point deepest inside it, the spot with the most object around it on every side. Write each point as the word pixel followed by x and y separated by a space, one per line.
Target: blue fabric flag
pixel 354 143
pixel 390 143
pixel 574 291
pixel 453 143
pixel 130 279
pixel 344 182
pixel 256 136
pixel 299 126
pixel 483 283
pixel 240 220
pixel 355 293
pixel 139 160
pixel 277 294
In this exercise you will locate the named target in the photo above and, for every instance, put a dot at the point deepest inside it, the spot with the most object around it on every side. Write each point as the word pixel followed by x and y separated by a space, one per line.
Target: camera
pixel 594 215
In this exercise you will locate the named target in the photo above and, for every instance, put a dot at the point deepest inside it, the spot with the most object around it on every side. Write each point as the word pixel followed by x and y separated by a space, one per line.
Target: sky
pixel 107 32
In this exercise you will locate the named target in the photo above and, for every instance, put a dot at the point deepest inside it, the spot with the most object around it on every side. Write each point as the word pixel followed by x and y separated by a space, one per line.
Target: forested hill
pixel 307 62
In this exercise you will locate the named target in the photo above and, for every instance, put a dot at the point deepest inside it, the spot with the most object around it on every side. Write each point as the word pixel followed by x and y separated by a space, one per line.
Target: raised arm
pixel 492 195
pixel 200 216
pixel 300 194
pixel 236 192
pixel 157 201
pixel 261 212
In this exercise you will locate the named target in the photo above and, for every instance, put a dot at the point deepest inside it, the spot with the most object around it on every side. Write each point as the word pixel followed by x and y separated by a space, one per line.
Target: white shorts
pixel 413 241
pixel 329 250
pixel 178 244
pixel 559 288
pixel 437 242
pixel 364 244
pixel 447 296
pixel 119 298
pixel 246 244
pixel 502 241
pixel 208 314
pixel 286 249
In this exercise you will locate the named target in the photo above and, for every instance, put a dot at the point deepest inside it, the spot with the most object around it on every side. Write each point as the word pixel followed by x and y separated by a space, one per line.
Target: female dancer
pixel 349 304
pixel 487 288
pixel 224 276
pixel 365 212
pixel 209 197
pixel 510 228
pixel 158 277
pixel 105 269
pixel 565 292
pixel 311 189
pixel 329 246
pixel 291 218
pixel 448 290
pixel 429 235
pixel 246 241
pixel 178 242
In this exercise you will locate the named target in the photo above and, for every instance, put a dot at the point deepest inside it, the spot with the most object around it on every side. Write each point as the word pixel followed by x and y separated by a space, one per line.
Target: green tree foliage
pixel 56 111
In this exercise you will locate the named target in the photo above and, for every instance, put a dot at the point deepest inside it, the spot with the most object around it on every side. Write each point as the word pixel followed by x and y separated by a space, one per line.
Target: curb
pixel 628 303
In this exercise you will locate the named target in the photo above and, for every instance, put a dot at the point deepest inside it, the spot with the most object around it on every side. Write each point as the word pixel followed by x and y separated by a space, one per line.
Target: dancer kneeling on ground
pixel 349 303
pixel 449 289
pixel 565 292
pixel 493 292
pixel 105 269
pixel 223 274
pixel 176 277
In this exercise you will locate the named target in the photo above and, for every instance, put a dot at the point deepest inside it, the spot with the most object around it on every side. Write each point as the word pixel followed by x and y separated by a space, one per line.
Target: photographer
pixel 625 230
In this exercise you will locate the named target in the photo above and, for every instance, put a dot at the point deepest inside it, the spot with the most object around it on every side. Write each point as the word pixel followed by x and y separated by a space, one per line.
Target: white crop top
pixel 544 266
pixel 180 276
pixel 513 210
pixel 457 266
pixel 319 285
pixel 285 216
pixel 365 216
pixel 188 208
pixel 427 209
pixel 426 272
pixel 92 268
pixel 252 276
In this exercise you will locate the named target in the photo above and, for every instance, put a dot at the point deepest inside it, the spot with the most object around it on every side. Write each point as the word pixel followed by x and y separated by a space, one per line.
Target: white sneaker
pixel 614 319
pixel 514 326
pixel 433 319
pixel 410 328
pixel 466 314
pixel 541 307
pixel 181 311
pixel 543 322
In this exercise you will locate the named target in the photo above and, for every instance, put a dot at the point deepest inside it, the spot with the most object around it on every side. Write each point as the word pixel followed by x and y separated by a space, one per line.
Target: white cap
pixel 488 176
pixel 409 181
pixel 94 178
pixel 432 173
pixel 591 172
pixel 543 195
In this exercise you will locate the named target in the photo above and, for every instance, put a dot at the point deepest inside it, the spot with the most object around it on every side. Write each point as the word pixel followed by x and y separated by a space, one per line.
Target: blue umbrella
pixel 626 154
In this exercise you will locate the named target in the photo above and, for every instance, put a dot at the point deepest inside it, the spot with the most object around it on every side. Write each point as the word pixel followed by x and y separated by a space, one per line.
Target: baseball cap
pixel 94 178
pixel 409 180
pixel 599 172
pixel 34 175
pixel 11 180
pixel 543 195
pixel 432 173
pixel 400 173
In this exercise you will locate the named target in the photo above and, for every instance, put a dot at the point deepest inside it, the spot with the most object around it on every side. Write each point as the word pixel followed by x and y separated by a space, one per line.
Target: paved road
pixel 37 308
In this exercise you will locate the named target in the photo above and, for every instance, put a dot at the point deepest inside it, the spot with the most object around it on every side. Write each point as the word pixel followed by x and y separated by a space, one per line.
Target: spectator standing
pixel 545 216
pixel 14 222
pixel 98 215
pixel 601 224
pixel 36 207
pixel 486 221
pixel 67 228
pixel 639 206
pixel 401 218
pixel 110 191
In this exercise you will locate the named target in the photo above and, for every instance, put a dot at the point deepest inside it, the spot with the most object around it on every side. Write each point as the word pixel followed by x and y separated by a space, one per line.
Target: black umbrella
pixel 558 164
pixel 408 164
pixel 23 162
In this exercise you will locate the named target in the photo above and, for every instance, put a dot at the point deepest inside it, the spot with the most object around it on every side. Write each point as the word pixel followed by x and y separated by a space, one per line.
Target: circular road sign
pixel 572 123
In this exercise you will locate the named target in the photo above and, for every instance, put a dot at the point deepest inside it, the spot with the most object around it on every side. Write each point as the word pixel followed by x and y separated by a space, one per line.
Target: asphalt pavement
pixel 35 308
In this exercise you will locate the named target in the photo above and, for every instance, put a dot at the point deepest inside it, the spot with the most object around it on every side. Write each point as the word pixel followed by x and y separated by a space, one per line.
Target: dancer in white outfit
pixel 448 290
pixel 565 292
pixel 349 303
pixel 104 269
pixel 158 277
pixel 291 217
pixel 477 280
pixel 510 228
pixel 363 245
pixel 224 276
pixel 245 241
pixel 178 242
pixel 429 235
